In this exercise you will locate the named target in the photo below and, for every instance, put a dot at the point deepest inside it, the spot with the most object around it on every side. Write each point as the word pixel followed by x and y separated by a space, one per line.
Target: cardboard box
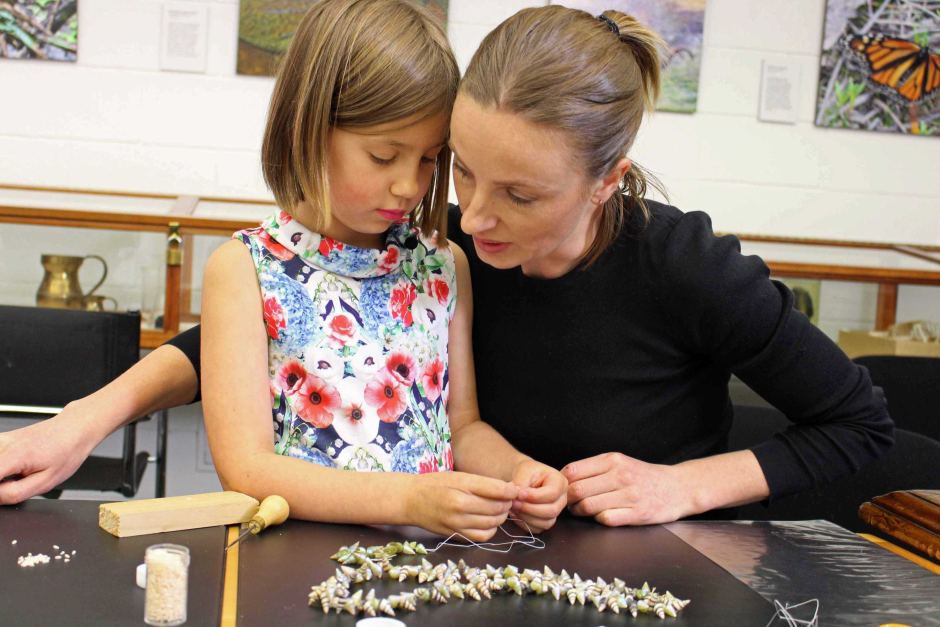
pixel 859 343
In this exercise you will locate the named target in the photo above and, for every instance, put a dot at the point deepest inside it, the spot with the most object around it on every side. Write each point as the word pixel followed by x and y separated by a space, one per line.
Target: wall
pixel 114 121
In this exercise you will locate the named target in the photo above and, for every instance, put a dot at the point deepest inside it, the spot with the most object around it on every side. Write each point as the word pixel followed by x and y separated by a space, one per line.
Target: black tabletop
pixel 97 587
pixel 277 569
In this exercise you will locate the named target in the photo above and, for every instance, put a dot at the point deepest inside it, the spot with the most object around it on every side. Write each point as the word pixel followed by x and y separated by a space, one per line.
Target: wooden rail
pixel 178 294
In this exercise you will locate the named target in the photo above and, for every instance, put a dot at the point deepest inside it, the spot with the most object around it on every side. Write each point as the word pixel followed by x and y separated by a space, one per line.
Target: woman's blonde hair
pixel 356 63
pixel 568 70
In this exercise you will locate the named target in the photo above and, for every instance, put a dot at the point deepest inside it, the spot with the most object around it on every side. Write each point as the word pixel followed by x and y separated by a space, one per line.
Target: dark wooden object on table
pixel 911 516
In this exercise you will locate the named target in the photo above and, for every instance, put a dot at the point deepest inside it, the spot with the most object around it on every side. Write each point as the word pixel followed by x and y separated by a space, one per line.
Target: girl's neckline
pixel 338 257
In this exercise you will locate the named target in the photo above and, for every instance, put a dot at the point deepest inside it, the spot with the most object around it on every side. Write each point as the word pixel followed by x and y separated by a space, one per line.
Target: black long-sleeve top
pixel 634 354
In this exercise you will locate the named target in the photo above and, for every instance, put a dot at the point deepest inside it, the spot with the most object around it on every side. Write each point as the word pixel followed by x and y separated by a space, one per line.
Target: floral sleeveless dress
pixel 357 346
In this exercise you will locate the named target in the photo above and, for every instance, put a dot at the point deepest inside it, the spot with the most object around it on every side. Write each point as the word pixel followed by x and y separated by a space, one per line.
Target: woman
pixel 606 327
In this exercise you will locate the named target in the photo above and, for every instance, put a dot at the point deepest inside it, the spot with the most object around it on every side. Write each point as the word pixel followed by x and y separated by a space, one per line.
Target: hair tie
pixel 612 25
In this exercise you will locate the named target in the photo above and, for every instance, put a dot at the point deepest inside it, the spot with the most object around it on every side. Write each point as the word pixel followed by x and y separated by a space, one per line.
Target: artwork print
pixel 265 28
pixel 680 23
pixel 880 66
pixel 39 29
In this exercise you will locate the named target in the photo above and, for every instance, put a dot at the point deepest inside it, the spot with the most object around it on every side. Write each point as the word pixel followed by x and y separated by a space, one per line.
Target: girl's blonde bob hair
pixel 354 64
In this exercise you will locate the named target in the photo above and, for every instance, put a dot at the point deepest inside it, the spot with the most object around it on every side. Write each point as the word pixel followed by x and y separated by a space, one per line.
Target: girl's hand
pixel 458 502
pixel 542 494
pixel 619 490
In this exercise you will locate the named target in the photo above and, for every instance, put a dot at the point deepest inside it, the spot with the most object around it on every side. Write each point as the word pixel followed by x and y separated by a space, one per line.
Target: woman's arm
pixel 725 309
pixel 237 407
pixel 46 453
pixel 478 448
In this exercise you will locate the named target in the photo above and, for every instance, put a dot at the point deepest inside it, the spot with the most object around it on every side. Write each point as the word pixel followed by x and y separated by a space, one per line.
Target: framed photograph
pixel 880 66
pixel 265 28
pixel 39 29
pixel 680 23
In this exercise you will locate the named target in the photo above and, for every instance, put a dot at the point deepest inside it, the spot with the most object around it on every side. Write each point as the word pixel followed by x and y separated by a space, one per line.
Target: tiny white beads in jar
pixel 167 584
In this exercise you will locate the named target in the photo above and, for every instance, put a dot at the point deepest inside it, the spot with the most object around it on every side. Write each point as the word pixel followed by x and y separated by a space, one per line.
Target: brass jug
pixel 59 287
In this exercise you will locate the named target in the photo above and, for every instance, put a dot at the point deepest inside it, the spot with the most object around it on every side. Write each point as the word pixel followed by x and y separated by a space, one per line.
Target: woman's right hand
pixel 42 455
pixel 458 502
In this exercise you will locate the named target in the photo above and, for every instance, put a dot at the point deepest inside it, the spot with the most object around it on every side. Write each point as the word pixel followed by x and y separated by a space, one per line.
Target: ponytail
pixel 592 78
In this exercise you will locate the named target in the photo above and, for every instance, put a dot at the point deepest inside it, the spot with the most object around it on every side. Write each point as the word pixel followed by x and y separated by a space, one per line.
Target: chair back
pixel 49 357
pixel 912 388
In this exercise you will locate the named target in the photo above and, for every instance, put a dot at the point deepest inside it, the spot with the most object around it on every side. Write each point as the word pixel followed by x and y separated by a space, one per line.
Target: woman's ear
pixel 611 181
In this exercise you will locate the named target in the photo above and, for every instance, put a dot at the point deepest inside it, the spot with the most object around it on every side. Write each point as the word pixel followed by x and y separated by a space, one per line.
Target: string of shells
pixel 439 583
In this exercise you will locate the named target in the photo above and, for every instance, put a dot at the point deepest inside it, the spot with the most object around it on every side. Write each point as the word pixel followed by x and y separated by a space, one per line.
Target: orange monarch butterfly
pixel 903 66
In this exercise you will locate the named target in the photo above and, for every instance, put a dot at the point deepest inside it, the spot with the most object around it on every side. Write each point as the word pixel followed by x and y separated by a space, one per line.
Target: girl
pixel 346 314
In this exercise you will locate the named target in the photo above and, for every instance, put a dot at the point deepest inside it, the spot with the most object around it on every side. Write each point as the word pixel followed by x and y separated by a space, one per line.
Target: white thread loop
pixel 784 613
pixel 496 547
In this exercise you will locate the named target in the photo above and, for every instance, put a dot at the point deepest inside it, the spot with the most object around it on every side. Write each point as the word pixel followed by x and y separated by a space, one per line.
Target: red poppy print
pixel 283 217
pixel 400 303
pixel 341 329
pixel 433 380
pixel 402 367
pixel 448 457
pixel 275 247
pixel 427 464
pixel 439 289
pixel 389 260
pixel 315 401
pixel 328 245
pixel 386 395
pixel 274 319
pixel 291 376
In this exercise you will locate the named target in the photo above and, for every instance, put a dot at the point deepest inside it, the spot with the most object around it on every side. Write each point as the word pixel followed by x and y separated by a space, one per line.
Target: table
pixel 97 587
pixel 732 571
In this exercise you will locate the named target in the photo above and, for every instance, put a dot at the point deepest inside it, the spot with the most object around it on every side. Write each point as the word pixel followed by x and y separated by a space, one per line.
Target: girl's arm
pixel 45 454
pixel 237 407
pixel 478 448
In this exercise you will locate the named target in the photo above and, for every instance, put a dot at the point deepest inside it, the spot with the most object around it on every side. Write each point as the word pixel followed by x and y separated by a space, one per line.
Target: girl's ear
pixel 611 182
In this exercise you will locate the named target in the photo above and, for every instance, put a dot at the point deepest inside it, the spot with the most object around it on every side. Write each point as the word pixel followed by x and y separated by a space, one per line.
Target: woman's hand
pixel 542 494
pixel 43 455
pixel 457 502
pixel 619 490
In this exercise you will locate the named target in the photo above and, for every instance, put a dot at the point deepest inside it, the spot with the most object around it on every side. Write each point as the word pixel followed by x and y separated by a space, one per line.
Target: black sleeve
pixel 188 343
pixel 732 313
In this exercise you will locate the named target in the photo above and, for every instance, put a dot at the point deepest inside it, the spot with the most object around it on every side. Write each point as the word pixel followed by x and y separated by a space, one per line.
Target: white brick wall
pixel 114 121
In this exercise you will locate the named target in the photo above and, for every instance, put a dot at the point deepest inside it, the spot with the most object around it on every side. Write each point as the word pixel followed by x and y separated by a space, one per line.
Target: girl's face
pixel 523 198
pixel 379 174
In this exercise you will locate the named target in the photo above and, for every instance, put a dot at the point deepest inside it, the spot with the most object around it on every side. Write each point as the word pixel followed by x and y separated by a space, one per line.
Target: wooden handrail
pixel 177 307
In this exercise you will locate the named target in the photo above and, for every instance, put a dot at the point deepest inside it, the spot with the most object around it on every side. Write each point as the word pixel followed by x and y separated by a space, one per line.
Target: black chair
pixel 912 463
pixel 49 357
pixel 912 387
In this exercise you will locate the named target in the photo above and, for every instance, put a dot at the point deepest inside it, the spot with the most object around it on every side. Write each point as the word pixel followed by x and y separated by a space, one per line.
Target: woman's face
pixel 523 196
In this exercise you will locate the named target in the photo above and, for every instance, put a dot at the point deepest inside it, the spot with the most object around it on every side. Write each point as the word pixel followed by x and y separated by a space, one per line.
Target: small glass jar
pixel 167 584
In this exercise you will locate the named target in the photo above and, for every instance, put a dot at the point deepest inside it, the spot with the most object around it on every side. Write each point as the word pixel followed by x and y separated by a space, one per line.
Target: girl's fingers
pixel 535 510
pixel 489 488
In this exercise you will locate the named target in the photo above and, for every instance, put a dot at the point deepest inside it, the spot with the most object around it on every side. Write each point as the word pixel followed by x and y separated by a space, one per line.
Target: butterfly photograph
pixel 880 66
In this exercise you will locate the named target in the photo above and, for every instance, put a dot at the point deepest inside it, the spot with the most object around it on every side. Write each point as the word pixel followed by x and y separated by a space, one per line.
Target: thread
pixel 530 541
pixel 784 613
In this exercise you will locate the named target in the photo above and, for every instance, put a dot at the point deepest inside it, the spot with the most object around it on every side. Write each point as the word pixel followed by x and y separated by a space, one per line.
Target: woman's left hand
pixel 542 494
pixel 619 490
